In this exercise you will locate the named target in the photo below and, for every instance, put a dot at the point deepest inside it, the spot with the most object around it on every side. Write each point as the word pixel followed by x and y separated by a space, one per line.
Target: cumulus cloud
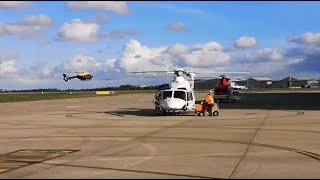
pixel 120 34
pixel 8 55
pixel 179 27
pixel 265 54
pixel 245 42
pixel 178 9
pixel 136 57
pixel 7 62
pixel 81 63
pixel 79 31
pixel 99 19
pixel 307 48
pixel 88 32
pixel 39 71
pixel 29 26
pixel 14 4
pixel 110 63
pixel 40 20
pixel 308 38
pixel 271 69
pixel 8 67
pixel 118 7
pixel 85 63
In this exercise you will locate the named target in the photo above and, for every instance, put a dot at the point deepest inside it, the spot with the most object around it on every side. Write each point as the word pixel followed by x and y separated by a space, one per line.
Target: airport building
pixel 262 83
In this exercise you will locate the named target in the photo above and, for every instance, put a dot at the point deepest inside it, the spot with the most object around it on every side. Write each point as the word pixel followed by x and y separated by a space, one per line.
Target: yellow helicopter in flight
pixel 83 76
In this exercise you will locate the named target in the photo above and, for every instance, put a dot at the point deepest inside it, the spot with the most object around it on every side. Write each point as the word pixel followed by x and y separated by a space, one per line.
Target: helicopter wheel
pixel 164 112
pixel 215 113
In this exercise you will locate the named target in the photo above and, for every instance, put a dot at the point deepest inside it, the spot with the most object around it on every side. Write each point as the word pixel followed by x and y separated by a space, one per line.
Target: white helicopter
pixel 178 96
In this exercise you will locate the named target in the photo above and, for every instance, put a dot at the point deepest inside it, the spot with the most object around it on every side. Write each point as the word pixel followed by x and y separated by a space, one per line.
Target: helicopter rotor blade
pixel 143 72
pixel 225 72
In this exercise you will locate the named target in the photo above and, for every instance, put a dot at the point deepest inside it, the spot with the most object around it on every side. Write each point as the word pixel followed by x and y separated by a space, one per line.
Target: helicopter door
pixel 190 101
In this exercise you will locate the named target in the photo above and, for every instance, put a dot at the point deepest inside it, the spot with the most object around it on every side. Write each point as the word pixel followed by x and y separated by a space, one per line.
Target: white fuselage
pixel 234 86
pixel 180 95
pixel 177 100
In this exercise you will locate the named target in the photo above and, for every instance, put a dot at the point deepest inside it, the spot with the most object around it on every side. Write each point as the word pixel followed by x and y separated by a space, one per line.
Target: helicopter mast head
pixel 183 78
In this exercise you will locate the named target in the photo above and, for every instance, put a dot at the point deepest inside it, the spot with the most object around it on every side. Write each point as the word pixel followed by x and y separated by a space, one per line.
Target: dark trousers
pixel 209 109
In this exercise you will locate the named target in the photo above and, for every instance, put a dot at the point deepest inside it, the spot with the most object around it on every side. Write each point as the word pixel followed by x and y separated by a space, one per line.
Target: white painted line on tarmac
pixel 72 106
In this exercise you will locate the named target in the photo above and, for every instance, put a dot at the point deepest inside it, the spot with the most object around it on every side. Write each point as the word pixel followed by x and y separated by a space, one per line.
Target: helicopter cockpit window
pixel 167 94
pixel 180 94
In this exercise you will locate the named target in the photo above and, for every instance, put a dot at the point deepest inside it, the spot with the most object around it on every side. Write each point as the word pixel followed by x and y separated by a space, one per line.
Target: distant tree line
pixel 123 87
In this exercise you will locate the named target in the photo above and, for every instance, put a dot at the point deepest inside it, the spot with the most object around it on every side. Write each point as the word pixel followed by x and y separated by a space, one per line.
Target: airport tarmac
pixel 259 136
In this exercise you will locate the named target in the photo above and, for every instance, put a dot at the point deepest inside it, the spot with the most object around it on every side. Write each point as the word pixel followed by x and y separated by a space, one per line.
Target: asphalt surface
pixel 276 101
pixel 267 135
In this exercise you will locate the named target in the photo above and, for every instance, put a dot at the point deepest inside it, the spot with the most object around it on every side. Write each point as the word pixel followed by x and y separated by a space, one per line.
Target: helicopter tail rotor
pixel 65 77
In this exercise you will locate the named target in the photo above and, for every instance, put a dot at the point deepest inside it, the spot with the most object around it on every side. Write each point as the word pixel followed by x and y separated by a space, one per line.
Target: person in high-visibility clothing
pixel 209 103
pixel 157 103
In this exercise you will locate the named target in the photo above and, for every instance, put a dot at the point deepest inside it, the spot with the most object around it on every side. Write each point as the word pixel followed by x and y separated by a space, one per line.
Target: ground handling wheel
pixel 215 113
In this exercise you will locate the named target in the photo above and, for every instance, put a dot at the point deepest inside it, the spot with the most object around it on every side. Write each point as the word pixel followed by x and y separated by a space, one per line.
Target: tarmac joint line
pixel 21 158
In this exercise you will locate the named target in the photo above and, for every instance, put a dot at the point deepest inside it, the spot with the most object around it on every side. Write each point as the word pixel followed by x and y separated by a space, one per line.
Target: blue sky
pixel 41 40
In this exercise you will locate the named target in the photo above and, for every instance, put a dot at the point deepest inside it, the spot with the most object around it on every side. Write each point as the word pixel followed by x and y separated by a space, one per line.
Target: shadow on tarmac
pixel 276 101
pixel 267 101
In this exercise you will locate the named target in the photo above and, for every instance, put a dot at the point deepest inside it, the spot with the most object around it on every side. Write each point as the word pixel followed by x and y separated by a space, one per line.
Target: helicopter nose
pixel 172 104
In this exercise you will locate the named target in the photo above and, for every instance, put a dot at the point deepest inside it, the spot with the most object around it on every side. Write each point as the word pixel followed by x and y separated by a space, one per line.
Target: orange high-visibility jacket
pixel 210 100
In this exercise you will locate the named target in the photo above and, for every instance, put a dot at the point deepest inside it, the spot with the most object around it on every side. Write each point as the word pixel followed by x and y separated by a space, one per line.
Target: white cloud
pixel 85 63
pixel 178 9
pixel 245 42
pixel 142 58
pixel 266 54
pixel 119 34
pixel 119 7
pixel 88 32
pixel 208 54
pixel 147 58
pixel 8 55
pixel 177 49
pixel 179 26
pixel 110 63
pixel 7 62
pixel 308 38
pixel 8 67
pixel 40 70
pixel 79 31
pixel 40 20
pixel 14 4
pixel 99 19
pixel 81 63
pixel 29 26
pixel 271 69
